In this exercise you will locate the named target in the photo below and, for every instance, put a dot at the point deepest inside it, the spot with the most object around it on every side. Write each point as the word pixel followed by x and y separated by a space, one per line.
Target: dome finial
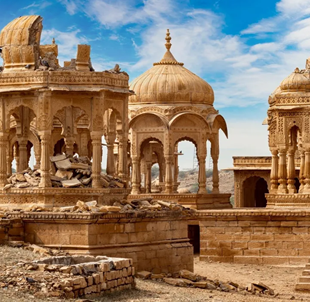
pixel 168 38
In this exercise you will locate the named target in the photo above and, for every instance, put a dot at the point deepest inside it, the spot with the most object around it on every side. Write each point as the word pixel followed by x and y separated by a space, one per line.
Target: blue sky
pixel 244 49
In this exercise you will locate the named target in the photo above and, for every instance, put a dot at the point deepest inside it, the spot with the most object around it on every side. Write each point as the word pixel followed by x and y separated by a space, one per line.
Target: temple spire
pixel 168 58
pixel 168 39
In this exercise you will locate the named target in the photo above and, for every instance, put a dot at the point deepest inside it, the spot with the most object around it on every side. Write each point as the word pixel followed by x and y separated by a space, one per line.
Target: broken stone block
pixel 22 185
pixel 7 186
pixel 56 178
pixel 92 203
pixel 32 181
pixel 105 209
pixel 79 166
pixel 56 158
pixel 188 275
pixel 71 183
pixel 64 174
pixel 175 281
pixel 81 205
pixel 144 274
pixel 63 164
pixel 86 181
pixel 20 177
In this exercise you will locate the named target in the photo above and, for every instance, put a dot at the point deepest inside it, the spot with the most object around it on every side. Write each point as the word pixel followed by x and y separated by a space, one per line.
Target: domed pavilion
pixel 171 104
pixel 289 140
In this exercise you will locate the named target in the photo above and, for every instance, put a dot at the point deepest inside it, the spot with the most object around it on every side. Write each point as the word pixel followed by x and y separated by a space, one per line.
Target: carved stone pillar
pixel 168 176
pixel 307 171
pixel 215 158
pixel 23 162
pixel 110 139
pixel 45 160
pixel 274 171
pixel 148 179
pixel 3 163
pixel 9 159
pixel 176 170
pixel 302 171
pixel 37 156
pixel 202 175
pixel 135 175
pixel 122 158
pixel 291 172
pixel 69 142
pixel 282 172
pixel 97 157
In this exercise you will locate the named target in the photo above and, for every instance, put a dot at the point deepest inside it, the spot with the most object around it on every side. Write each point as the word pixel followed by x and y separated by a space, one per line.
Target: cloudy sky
pixel 244 49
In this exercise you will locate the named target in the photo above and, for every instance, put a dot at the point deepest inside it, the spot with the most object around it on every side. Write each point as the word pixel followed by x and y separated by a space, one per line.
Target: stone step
pixel 308 266
pixel 306 272
pixel 302 286
pixel 304 279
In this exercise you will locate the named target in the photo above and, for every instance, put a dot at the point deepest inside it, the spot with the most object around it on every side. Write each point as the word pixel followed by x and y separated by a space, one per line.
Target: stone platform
pixel 255 236
pixel 191 200
pixel 156 242
pixel 58 197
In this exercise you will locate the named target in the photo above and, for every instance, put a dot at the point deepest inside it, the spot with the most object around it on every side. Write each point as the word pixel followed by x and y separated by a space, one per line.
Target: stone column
pixel 302 171
pixel 97 157
pixel 135 175
pixel 110 139
pixel 274 171
pixel 23 162
pixel 3 163
pixel 202 180
pixel 307 171
pixel 176 170
pixel 16 155
pixel 38 160
pixel 282 172
pixel 122 158
pixel 148 179
pixel 9 160
pixel 215 158
pixel 168 176
pixel 291 172
pixel 45 160
pixel 69 142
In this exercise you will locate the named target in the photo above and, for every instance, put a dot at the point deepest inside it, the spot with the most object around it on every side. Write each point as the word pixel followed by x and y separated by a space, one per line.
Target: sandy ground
pixel 280 278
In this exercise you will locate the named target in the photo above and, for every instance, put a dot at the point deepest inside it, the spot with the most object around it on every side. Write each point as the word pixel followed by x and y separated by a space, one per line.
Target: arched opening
pixel 254 190
pixel 152 160
pixel 185 166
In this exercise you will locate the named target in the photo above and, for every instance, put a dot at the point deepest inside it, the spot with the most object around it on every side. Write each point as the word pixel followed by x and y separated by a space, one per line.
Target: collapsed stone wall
pixel 256 236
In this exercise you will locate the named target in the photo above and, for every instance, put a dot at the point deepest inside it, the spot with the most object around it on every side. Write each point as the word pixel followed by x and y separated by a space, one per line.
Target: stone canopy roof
pixel 168 82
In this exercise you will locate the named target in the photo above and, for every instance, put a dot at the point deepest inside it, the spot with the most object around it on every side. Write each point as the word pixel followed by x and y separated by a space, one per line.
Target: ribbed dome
pixel 169 82
pixel 295 81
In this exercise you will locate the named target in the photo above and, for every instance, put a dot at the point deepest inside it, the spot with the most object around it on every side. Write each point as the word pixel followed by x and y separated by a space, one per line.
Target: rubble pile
pixel 186 278
pixel 71 172
pixel 70 276
pixel 122 206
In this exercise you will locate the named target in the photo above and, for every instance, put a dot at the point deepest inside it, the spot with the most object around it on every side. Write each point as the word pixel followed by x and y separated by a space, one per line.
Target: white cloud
pixel 71 6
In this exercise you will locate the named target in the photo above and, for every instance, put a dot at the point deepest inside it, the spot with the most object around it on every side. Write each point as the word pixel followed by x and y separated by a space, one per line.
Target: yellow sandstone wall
pixel 255 236
pixel 158 244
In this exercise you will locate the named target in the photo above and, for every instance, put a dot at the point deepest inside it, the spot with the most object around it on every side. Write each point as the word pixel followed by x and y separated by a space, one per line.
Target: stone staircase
pixel 303 282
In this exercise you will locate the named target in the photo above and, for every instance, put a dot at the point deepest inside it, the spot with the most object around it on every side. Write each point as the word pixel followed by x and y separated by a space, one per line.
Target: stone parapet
pixel 194 201
pixel 50 79
pixel 288 200
pixel 255 236
pixel 58 197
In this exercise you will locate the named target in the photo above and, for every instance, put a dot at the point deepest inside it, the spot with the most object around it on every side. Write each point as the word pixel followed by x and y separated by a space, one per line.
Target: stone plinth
pixel 156 242
pixel 255 236
pixel 296 200
pixel 58 197
pixel 194 201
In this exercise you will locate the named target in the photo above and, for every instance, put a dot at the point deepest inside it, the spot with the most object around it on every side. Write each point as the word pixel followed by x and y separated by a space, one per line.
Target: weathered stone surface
pixel 64 174
pixel 58 158
pixel 71 183
pixel 188 275
pixel 63 164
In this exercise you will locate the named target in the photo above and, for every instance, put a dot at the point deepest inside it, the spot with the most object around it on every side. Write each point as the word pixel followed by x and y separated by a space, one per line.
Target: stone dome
pixel 168 82
pixel 295 81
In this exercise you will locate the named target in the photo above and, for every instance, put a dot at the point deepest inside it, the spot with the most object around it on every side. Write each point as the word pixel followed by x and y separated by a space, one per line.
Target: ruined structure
pixel 172 104
pixel 63 111
pixel 56 109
